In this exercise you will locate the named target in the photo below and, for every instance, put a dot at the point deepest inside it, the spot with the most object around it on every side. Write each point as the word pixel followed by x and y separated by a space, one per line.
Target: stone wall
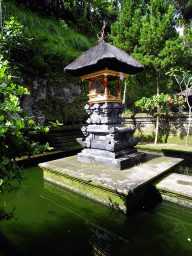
pixel 174 125
pixel 39 92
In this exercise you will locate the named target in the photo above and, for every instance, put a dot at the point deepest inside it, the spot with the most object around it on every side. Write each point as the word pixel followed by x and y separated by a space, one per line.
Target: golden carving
pixel 95 97
pixel 109 73
pixel 105 78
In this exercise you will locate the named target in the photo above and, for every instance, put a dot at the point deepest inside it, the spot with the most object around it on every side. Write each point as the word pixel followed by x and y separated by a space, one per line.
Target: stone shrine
pixel 108 141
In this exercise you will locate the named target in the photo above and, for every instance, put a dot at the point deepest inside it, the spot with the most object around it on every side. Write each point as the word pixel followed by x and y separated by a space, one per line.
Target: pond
pixel 56 221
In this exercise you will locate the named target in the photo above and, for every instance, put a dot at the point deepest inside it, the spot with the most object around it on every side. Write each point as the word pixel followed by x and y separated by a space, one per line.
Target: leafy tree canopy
pixel 182 10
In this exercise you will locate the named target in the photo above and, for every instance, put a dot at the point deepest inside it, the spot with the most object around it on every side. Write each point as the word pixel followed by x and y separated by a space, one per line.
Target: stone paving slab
pixel 177 183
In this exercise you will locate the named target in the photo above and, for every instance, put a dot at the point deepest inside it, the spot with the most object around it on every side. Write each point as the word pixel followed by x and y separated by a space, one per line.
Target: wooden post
pixel 119 86
pixel 158 110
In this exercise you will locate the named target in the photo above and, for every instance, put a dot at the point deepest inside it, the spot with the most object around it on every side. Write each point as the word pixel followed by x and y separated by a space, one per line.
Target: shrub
pixel 13 142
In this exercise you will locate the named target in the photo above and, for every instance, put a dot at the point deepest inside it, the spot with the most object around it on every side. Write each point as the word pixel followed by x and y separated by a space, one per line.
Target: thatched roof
pixel 185 93
pixel 101 56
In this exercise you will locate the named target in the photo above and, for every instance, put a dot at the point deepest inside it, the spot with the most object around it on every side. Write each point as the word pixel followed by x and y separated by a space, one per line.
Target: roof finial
pixel 102 38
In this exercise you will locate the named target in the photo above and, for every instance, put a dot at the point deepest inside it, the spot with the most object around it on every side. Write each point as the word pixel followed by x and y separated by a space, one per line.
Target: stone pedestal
pixel 128 160
pixel 108 141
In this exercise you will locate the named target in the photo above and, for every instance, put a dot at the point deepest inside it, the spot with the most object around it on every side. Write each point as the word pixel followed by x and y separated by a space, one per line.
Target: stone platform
pixel 118 189
pixel 176 188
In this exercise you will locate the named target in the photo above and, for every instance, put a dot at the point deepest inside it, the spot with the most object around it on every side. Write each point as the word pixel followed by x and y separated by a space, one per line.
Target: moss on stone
pixel 107 196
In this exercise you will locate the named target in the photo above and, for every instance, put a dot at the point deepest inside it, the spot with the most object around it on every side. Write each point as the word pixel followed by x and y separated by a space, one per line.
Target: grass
pixel 160 146
pixel 148 137
pixel 54 44
pixel 172 142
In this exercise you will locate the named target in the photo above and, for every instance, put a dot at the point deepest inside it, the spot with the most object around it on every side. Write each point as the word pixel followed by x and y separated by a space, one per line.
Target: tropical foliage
pixel 159 106
pixel 84 12
pixel 164 102
pixel 14 141
pixel 147 31
pixel 183 79
pixel 15 126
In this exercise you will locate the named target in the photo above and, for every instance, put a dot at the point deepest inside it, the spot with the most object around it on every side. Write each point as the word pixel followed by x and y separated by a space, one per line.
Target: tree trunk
pixel 187 99
pixel 125 90
pixel 124 94
pixel 157 130
pixel 189 124
pixel 158 109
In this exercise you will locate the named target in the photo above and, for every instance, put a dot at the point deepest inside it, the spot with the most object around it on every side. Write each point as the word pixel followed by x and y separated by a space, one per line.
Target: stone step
pixel 176 188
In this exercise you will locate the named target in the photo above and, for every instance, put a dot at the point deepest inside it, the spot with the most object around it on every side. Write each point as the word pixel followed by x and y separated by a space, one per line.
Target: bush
pixel 13 143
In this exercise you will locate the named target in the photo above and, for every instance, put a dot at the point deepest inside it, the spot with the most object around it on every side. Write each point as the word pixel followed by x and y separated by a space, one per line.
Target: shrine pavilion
pixel 108 141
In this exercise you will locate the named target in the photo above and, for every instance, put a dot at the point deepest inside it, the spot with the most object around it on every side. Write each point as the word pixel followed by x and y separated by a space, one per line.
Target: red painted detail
pixel 119 103
pixel 90 87
pixel 119 87
pixel 106 84
pixel 91 105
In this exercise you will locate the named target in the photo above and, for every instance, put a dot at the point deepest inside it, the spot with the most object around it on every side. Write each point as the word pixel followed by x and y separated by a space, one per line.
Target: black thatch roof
pixel 101 56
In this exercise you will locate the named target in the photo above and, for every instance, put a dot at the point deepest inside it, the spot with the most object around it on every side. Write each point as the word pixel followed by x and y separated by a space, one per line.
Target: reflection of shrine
pixel 107 140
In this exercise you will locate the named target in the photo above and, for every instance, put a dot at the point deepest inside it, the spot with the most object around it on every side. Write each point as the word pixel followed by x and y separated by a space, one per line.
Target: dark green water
pixel 55 221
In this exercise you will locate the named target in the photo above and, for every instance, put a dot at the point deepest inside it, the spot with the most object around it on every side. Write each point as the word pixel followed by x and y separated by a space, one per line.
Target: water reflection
pixel 58 222
pixel 103 241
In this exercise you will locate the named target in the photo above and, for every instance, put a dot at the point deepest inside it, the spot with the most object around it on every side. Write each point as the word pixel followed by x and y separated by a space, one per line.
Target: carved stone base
pixel 108 154
pixel 109 161
pixel 108 141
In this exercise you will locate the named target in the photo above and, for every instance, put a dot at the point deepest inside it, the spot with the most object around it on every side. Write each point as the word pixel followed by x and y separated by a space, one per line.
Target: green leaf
pixel 5 161
pixel 1 118
pixel 2 130
pixel 1 182
pixel 47 146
